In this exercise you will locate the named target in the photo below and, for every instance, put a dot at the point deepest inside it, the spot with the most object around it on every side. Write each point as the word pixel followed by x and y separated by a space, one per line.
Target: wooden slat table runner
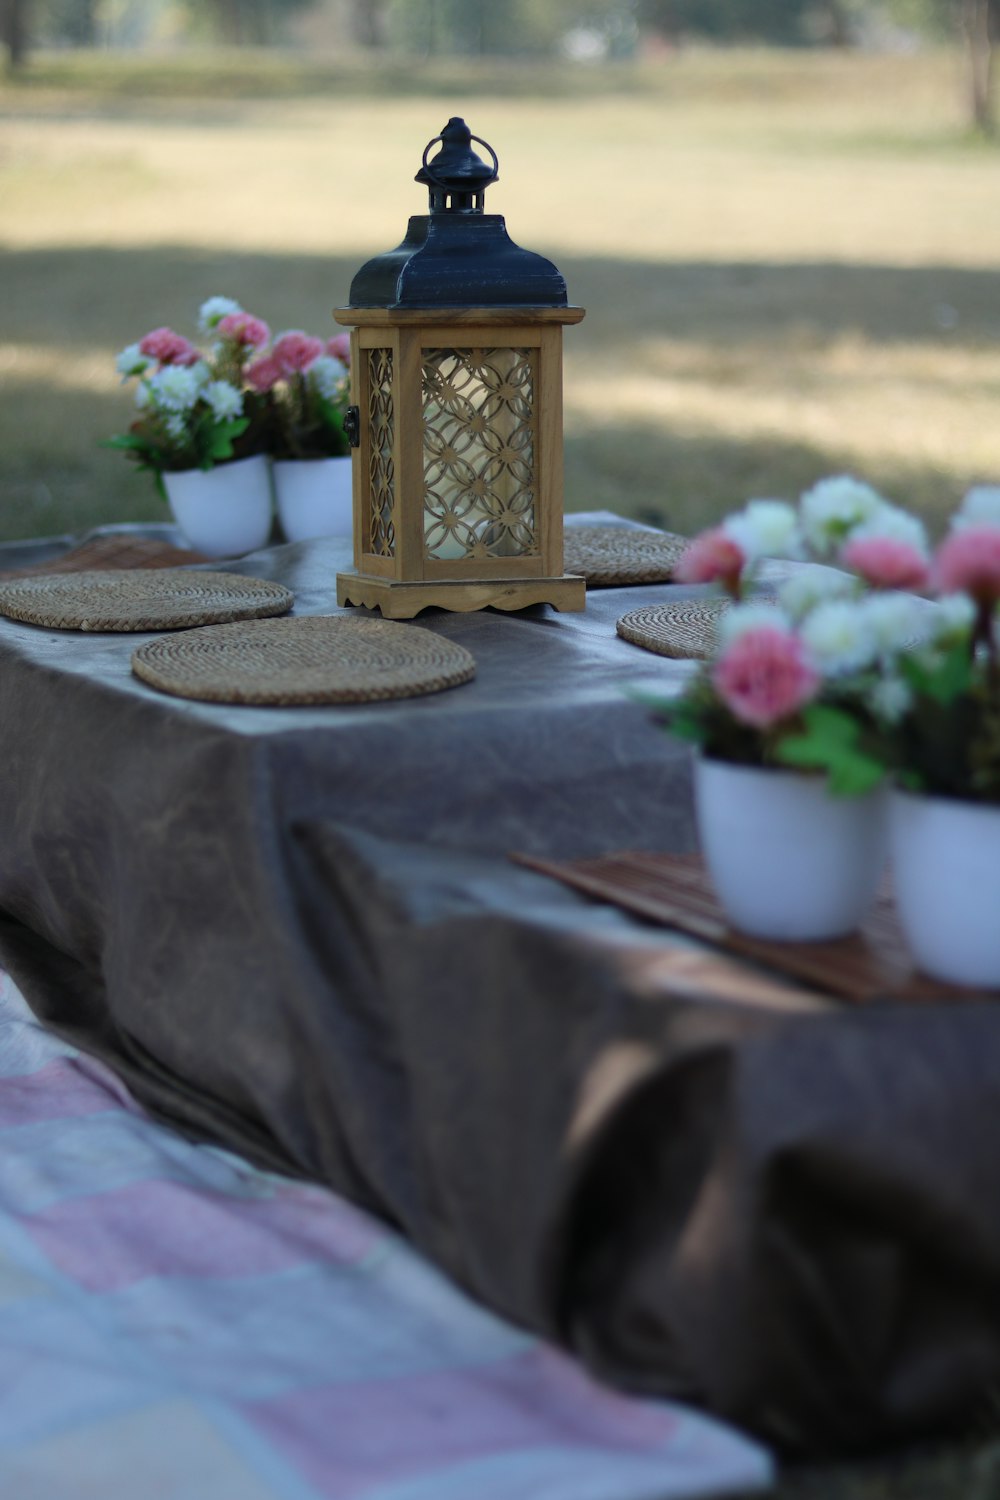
pixel 675 891
pixel 117 551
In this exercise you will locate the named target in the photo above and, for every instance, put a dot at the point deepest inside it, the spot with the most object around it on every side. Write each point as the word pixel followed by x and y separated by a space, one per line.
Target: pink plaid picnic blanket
pixel 177 1325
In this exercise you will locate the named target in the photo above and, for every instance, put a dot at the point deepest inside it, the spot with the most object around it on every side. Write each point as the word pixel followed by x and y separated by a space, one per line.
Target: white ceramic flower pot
pixel 224 511
pixel 788 860
pixel 314 497
pixel 946 868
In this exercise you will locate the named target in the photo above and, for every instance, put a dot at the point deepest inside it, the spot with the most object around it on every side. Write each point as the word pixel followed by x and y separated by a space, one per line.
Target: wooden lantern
pixel 456 416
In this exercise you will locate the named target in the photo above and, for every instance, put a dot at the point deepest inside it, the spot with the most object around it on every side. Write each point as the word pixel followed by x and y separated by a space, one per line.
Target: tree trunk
pixel 980 24
pixel 839 32
pixel 14 31
pixel 368 26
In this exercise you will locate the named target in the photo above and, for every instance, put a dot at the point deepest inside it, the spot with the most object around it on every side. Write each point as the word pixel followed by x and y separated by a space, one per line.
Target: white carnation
pixel 896 620
pixel 175 387
pixel 894 524
pixel 839 637
pixel 952 618
pixel 212 312
pixel 981 507
pixel 176 426
pixel 890 698
pixel 328 375
pixel 766 528
pixel 833 508
pixel 807 588
pixel 132 361
pixel 224 399
pixel 752 615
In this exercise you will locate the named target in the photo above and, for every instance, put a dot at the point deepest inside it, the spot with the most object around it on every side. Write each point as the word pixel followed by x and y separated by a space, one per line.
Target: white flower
pixel 981 507
pixel 176 426
pixel 809 587
pixel 765 528
pixel 132 361
pixel 952 618
pixel 834 507
pixel 143 395
pixel 224 399
pixel 896 620
pixel 212 312
pixel 328 375
pixel 890 698
pixel 175 387
pixel 895 524
pixel 753 615
pixel 839 637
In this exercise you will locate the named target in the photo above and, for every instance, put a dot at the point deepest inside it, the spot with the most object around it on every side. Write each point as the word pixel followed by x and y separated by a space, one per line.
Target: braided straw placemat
pixel 140 599
pixel 613 556
pixel 312 659
pixel 684 628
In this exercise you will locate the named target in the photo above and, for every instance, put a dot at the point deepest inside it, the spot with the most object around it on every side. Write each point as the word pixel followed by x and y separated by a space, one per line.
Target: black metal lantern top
pixel 457 255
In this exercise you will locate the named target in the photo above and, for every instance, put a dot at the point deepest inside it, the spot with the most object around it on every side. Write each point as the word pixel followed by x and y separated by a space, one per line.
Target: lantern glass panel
pixel 480 453
pixel 381 529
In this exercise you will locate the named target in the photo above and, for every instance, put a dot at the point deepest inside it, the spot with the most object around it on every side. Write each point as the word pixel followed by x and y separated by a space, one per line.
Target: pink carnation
pixel 764 676
pixel 713 557
pixel 968 562
pixel 296 351
pixel 168 347
pixel 340 347
pixel 886 563
pixel 264 373
pixel 243 328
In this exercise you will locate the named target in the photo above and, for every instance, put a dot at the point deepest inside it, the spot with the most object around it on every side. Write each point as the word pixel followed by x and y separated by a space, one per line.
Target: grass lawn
pixel 790 262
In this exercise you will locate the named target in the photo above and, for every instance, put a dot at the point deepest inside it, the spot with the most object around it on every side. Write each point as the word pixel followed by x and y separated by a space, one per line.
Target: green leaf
pixel 830 743
pixel 942 679
pixel 220 440
pixel 125 441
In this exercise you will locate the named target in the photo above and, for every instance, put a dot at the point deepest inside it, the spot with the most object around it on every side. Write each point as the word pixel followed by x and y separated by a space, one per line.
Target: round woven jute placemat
pixel 614 556
pixel 140 599
pixel 312 659
pixel 682 628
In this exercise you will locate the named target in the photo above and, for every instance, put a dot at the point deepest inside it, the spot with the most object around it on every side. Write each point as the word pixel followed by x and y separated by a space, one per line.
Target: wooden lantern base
pixel 401 601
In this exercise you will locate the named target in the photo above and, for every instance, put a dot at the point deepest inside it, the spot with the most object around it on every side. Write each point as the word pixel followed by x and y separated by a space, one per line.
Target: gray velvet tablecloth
pixel 297 932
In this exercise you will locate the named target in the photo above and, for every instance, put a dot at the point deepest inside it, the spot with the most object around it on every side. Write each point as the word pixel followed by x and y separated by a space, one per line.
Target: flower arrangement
pixel 304 385
pixel 819 677
pixel 946 739
pixel 195 409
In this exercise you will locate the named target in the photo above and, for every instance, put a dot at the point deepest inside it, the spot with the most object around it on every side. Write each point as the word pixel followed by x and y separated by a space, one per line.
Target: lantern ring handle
pixel 445 188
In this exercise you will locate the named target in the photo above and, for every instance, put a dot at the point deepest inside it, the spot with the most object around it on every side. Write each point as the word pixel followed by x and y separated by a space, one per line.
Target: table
pixel 297 932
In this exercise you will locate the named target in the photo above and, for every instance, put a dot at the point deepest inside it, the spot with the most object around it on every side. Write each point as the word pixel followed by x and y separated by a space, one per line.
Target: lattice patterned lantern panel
pixel 456 419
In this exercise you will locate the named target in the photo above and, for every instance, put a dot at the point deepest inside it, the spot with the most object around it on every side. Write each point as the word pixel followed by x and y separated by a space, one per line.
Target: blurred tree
pixel 471 27
pixel 240 23
pixel 14 30
pixel 733 20
pixel 981 23
pixel 369 22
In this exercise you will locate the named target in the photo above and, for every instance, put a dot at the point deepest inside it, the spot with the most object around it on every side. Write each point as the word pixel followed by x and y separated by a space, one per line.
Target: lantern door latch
pixel 352 425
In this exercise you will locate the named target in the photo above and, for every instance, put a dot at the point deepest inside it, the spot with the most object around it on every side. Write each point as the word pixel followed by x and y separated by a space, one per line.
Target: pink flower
pixel 968 562
pixel 340 347
pixel 168 347
pixel 886 563
pixel 764 676
pixel 713 557
pixel 264 373
pixel 296 351
pixel 243 328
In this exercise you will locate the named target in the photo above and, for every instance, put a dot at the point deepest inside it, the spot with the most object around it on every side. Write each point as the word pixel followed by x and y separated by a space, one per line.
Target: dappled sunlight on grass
pixel 789 261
